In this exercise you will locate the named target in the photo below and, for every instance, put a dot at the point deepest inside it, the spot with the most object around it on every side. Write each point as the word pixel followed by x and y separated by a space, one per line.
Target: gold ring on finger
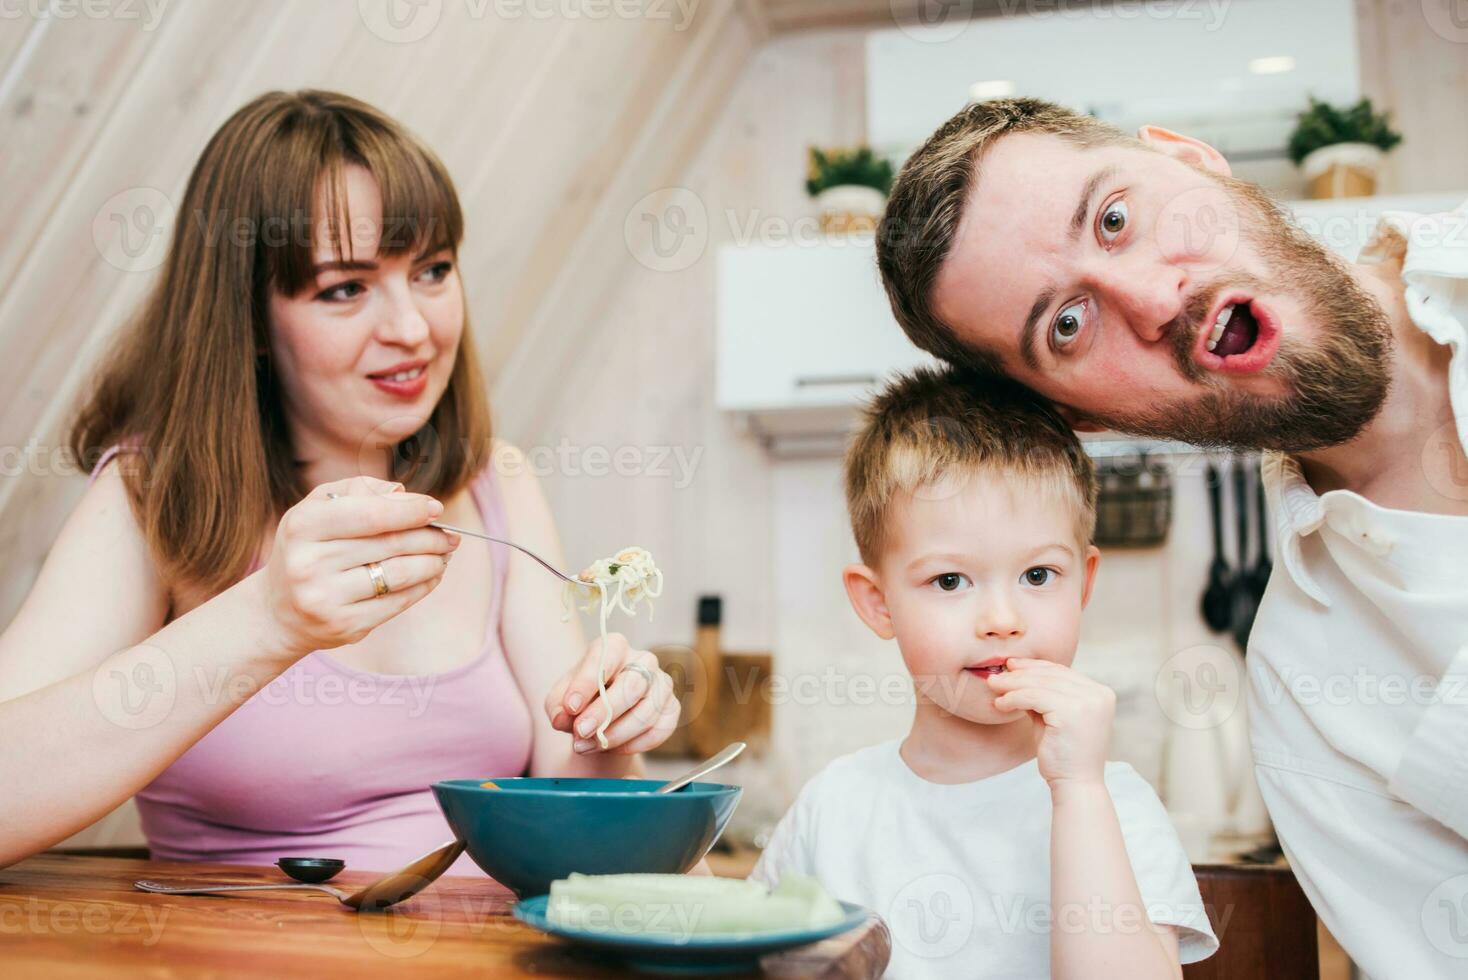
pixel 379 580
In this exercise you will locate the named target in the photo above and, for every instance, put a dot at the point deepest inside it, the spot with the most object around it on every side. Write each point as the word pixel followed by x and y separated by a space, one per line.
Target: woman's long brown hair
pixel 189 384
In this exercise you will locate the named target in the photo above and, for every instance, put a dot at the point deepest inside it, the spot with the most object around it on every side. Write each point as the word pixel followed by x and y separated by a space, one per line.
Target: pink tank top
pixel 329 761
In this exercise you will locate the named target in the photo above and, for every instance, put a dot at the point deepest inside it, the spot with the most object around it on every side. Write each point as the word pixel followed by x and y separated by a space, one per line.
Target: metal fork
pixel 520 548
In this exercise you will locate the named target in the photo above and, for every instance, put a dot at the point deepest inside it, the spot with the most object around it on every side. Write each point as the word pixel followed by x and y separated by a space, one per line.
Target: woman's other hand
pixel 639 700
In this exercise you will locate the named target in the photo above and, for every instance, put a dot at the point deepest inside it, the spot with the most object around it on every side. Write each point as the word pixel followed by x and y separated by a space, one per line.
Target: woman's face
pixel 336 344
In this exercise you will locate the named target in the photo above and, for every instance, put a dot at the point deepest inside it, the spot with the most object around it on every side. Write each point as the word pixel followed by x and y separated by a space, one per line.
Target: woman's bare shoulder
pixel 97 591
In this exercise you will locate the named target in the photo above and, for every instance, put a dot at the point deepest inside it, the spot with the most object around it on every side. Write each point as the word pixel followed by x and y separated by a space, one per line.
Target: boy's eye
pixel 950 581
pixel 1039 576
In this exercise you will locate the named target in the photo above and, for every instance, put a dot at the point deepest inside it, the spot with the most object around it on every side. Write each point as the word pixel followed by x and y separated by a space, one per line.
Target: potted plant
pixel 1340 149
pixel 850 187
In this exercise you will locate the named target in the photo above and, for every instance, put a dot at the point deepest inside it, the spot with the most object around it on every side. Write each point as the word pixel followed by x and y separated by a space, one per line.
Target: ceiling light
pixel 995 89
pixel 1272 65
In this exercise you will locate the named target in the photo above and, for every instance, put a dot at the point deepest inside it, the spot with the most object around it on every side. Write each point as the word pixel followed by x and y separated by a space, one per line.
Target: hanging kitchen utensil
pixel 1263 566
pixel 1245 602
pixel 1217 601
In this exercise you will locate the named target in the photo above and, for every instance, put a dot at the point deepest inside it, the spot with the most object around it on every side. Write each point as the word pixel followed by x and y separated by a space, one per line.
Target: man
pixel 1140 287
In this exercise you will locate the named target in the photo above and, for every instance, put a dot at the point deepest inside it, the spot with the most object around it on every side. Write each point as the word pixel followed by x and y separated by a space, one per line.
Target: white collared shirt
pixel 1358 670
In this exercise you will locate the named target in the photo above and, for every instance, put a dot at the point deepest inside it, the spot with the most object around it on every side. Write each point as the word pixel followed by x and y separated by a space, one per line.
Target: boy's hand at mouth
pixel 1071 714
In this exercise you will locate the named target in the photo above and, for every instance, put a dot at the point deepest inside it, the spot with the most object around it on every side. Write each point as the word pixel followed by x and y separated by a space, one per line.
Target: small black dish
pixel 312 871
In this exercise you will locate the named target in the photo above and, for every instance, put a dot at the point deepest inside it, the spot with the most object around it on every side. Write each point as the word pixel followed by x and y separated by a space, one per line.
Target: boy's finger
pixel 1031 699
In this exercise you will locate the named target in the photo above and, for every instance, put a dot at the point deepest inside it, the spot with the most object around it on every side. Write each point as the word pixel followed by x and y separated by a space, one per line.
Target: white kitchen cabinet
pixel 805 334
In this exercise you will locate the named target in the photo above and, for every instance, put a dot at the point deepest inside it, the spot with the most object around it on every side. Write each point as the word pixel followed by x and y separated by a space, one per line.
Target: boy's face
pixel 976 569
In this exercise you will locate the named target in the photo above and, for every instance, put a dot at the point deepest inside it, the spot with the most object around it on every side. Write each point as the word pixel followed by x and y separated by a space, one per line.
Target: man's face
pixel 1151 293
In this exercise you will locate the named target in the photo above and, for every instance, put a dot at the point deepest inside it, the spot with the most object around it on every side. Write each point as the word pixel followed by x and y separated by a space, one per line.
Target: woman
pixel 295 402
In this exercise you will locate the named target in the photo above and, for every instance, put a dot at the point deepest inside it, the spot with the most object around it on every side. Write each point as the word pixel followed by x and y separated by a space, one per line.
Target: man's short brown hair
pixel 926 205
pixel 936 423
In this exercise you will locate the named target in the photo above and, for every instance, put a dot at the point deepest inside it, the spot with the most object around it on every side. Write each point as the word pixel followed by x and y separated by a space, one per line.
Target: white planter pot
pixel 1342 170
pixel 850 207
pixel 1357 156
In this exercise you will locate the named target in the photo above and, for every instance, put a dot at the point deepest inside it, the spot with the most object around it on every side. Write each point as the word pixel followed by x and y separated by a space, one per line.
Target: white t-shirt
pixel 1358 669
pixel 961 873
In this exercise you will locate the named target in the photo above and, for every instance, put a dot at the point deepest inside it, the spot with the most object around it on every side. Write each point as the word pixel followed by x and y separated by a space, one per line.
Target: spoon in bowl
pixel 705 767
pixel 388 890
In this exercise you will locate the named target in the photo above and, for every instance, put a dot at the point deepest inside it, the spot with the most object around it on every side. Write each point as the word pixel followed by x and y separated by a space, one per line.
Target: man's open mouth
pixel 1241 337
pixel 984 670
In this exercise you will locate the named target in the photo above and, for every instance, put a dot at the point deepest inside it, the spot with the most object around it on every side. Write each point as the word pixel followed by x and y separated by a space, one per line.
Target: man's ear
pixel 1093 558
pixel 1184 148
pixel 1077 421
pixel 864 589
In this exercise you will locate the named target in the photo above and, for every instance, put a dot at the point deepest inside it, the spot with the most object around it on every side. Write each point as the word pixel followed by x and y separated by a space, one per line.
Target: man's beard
pixel 1335 386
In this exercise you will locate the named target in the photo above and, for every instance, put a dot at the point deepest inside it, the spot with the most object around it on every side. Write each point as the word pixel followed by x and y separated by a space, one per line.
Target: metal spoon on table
pixel 375 896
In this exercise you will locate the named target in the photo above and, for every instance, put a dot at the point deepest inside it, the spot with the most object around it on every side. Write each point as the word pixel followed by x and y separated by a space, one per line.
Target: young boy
pixel 995 839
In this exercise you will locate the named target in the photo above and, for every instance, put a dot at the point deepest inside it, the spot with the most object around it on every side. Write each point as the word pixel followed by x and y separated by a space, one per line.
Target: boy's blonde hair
pixel 936 423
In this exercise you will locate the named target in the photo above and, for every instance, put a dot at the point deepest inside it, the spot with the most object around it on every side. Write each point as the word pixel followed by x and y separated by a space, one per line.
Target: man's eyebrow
pixel 1047 295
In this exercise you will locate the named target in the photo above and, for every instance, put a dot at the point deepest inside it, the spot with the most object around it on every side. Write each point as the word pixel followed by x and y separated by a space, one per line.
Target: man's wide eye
pixel 1038 576
pixel 1113 220
pixel 1068 323
pixel 950 581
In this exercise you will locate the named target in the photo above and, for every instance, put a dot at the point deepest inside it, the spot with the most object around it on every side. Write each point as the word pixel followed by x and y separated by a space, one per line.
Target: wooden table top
pixel 72 916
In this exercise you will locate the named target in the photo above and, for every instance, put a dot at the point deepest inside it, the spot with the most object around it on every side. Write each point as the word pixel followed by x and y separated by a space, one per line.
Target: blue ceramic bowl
pixel 533 831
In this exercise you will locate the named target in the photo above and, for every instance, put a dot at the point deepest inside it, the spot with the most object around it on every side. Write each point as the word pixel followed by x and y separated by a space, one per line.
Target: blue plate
pixel 693 956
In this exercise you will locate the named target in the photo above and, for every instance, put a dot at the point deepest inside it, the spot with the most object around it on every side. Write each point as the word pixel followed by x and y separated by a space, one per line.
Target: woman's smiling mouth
pixel 405 380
